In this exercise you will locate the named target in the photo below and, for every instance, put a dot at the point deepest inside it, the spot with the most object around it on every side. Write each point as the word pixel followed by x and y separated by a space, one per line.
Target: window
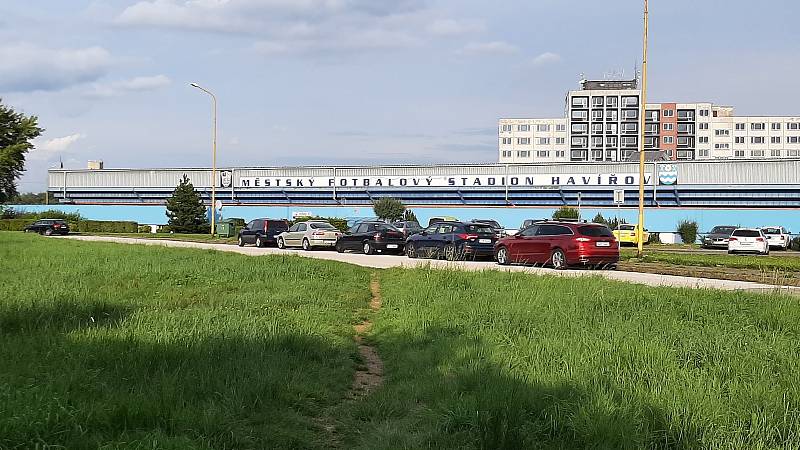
pixel 776 126
pixel 543 128
pixel 686 115
pixel 543 141
pixel 561 127
pixel 702 126
pixel 775 153
pixel 703 113
pixel 560 153
pixel 651 115
pixel 740 126
pixel 580 102
pixel 738 153
pixel 597 101
pixel 597 155
pixel 630 127
pixel 560 141
pixel 651 128
pixel 523 127
pixel 597 128
pixel 506 127
pixel 597 141
pixel 757 153
pixel 506 153
pixel 630 113
pixel 651 142
pixel 580 142
pixel 757 140
pixel 738 140
pixel 611 141
pixel 580 115
pixel 669 140
pixel 722 132
pixel 507 141
pixel 611 115
pixel 524 154
pixel 610 155
pixel 628 141
pixel 630 101
pixel 597 114
pixel 703 139
pixel 684 141
pixel 611 128
pixel 524 141
pixel 793 126
pixel 542 154
pixel 611 101
pixel 580 128
pixel 722 146
pixel 669 113
pixel 686 128
pixel 775 140
pixel 703 152
pixel 793 139
pixel 757 126
pixel 792 153
pixel 668 127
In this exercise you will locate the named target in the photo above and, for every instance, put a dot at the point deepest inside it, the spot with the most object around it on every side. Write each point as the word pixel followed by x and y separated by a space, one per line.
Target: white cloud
pixel 546 58
pixel 488 48
pixel 26 67
pixel 51 147
pixel 452 27
pixel 137 84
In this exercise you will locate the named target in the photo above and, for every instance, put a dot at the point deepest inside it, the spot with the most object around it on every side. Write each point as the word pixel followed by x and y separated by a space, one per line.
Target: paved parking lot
pixel 387 261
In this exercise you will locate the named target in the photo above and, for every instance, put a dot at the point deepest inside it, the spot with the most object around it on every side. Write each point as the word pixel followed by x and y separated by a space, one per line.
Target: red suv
pixel 560 244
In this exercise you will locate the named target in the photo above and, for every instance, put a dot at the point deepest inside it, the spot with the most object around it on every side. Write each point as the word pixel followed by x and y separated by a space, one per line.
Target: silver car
pixel 309 235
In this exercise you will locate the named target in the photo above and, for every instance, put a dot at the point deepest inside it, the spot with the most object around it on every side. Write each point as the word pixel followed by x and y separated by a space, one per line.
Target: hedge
pixel 339 223
pixel 84 226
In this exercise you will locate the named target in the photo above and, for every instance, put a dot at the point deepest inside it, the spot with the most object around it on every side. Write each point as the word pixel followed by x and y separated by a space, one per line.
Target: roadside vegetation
pixel 774 261
pixel 122 346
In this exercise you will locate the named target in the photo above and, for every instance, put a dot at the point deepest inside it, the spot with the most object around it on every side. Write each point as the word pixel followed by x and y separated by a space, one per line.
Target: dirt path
pixel 368 375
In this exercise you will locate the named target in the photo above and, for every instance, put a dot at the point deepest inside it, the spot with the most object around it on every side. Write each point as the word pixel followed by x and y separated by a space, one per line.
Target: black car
pixel 408 227
pixel 262 232
pixel 718 237
pixel 370 237
pixel 453 241
pixel 48 227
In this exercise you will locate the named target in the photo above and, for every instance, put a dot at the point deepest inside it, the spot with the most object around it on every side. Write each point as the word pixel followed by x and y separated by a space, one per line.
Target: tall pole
pixel 642 121
pixel 213 157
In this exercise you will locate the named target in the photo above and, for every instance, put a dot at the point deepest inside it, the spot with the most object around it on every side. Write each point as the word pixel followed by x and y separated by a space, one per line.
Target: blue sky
pixel 360 81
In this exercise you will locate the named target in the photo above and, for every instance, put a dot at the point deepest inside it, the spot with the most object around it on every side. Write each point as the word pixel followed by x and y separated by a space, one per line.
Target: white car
pixel 309 235
pixel 748 240
pixel 777 237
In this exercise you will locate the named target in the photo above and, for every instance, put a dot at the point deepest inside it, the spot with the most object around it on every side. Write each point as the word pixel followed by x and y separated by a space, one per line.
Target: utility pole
pixel 213 157
pixel 642 121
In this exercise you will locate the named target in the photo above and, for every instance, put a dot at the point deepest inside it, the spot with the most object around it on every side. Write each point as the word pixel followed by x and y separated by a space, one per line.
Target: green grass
pixel 505 360
pixel 120 346
pixel 171 236
pixel 775 261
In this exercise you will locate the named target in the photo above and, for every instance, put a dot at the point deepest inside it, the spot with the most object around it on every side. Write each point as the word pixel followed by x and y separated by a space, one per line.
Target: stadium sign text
pixel 537 180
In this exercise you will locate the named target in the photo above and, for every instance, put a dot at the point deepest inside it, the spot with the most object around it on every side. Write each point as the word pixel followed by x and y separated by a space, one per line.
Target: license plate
pixel 391 245
pixel 484 241
pixel 604 244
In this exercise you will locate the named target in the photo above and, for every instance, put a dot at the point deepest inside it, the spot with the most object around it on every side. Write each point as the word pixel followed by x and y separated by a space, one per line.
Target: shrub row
pixel 339 223
pixel 83 226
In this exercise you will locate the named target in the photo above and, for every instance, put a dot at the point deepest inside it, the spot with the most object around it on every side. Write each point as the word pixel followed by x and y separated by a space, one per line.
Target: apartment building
pixel 602 124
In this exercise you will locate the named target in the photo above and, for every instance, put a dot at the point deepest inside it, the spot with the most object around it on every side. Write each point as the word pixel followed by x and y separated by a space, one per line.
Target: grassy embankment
pixel 143 347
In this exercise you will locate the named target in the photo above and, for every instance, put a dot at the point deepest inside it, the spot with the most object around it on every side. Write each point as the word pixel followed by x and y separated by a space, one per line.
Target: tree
pixel 388 208
pixel 600 219
pixel 566 212
pixel 688 231
pixel 409 216
pixel 16 133
pixel 29 198
pixel 185 209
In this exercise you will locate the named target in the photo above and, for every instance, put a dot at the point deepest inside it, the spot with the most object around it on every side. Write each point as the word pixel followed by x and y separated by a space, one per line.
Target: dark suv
pixel 262 232
pixel 48 227
pixel 453 241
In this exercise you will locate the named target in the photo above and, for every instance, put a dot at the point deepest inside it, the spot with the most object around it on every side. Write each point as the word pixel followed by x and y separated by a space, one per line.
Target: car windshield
pixel 322 226
pixel 627 227
pixel 491 223
pixel 722 230
pixel 481 229
pixel 771 230
pixel 746 233
pixel 595 231
pixel 382 227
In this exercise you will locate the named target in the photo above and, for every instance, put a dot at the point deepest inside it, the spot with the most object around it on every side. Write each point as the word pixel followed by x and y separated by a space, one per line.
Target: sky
pixel 342 82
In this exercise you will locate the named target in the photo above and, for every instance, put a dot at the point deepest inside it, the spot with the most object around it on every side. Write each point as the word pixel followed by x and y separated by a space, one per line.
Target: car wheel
pixel 280 243
pixel 559 259
pixel 259 242
pixel 339 247
pixel 411 251
pixel 450 252
pixel 48 232
pixel 240 242
pixel 368 249
pixel 502 256
pixel 306 245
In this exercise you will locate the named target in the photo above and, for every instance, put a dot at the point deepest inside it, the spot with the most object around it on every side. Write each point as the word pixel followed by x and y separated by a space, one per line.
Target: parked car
pixel 777 237
pixel 560 244
pixel 435 220
pixel 262 232
pixel 452 240
pixel 718 237
pixel 408 227
pixel 48 227
pixel 371 237
pixel 748 240
pixel 499 231
pixel 627 233
pixel 308 235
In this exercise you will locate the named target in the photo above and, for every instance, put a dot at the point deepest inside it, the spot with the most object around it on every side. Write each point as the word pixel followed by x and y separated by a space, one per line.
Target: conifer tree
pixel 185 209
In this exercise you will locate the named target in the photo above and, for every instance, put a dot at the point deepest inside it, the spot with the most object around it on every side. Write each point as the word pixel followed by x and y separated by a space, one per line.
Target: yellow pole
pixel 642 121
pixel 213 158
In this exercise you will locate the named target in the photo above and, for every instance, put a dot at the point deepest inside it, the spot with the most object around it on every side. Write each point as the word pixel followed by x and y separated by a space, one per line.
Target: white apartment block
pixel 602 124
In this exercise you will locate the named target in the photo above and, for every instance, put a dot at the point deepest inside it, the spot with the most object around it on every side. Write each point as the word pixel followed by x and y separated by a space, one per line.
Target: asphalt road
pixel 387 261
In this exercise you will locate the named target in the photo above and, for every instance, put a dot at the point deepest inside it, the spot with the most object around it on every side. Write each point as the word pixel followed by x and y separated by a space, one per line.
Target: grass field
pixel 117 346
pixel 775 261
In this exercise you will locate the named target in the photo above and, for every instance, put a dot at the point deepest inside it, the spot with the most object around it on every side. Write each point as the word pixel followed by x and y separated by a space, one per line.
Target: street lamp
pixel 213 159
pixel 642 122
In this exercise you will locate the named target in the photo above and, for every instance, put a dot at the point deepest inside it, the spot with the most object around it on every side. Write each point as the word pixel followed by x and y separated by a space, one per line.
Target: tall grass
pixel 503 360
pixel 117 346
pixel 775 261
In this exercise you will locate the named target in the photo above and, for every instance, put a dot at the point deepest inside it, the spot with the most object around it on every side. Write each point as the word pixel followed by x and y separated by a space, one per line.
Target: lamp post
pixel 213 158
pixel 642 121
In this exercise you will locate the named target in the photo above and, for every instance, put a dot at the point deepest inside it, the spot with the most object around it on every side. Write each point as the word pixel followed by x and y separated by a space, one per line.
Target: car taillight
pixel 266 225
pixel 582 239
pixel 466 236
pixel 318 233
pixel 378 236
pixel 758 239
pixel 732 239
pixel 56 225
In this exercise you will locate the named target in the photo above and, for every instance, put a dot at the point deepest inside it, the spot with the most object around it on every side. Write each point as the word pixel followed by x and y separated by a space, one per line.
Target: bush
pixel 566 212
pixel 145 229
pixel 339 223
pixel 388 208
pixel 600 219
pixel 11 213
pixel 14 224
pixel 795 244
pixel 83 226
pixel 688 231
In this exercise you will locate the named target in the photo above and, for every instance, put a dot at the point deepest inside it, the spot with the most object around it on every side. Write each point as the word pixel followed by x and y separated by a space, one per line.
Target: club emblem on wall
pixel 667 174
